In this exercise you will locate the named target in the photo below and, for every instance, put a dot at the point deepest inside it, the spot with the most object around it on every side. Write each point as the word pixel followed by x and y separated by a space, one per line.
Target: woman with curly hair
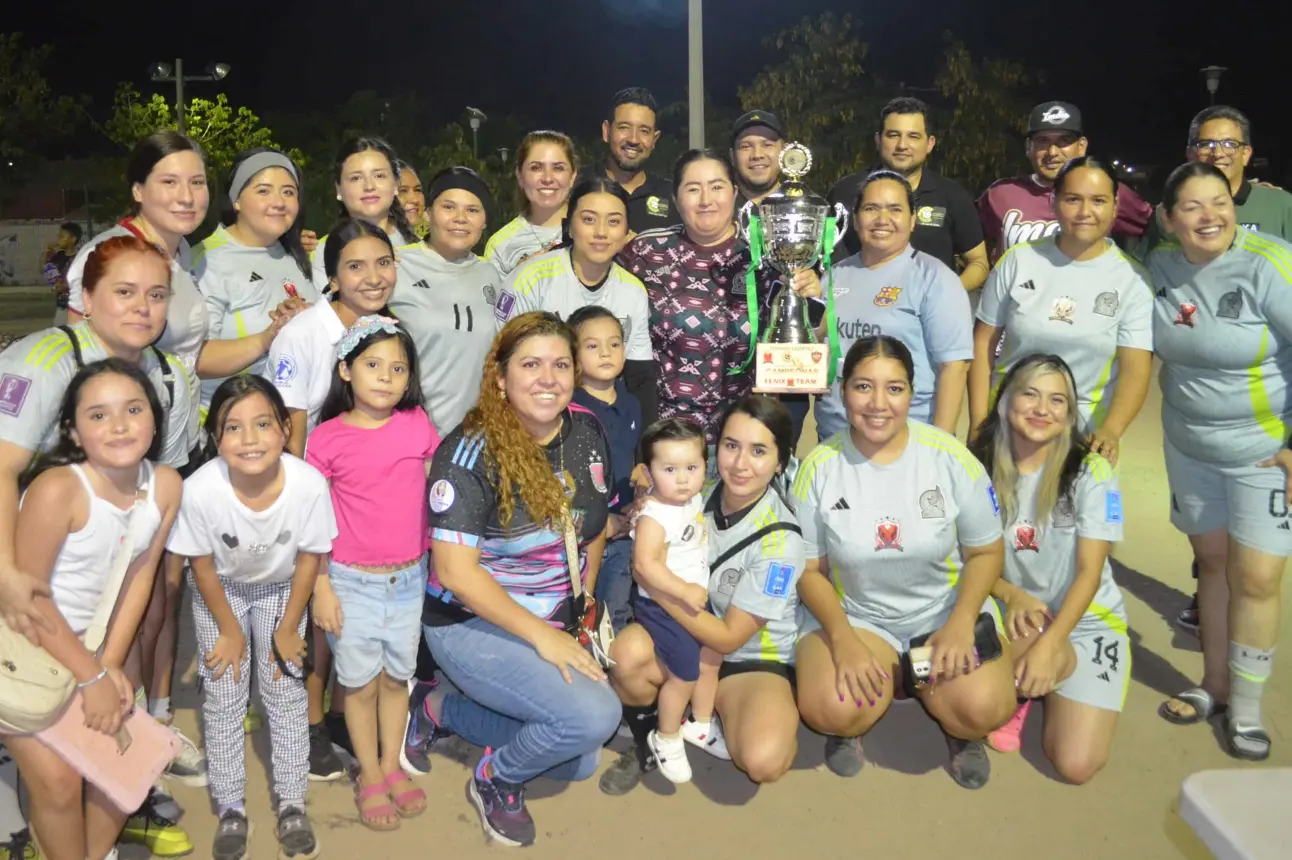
pixel 500 596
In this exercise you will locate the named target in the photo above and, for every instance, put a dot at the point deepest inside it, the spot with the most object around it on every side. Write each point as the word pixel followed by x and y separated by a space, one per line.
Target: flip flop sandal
pixel 1241 740
pixel 1203 703
pixel 370 816
pixel 410 803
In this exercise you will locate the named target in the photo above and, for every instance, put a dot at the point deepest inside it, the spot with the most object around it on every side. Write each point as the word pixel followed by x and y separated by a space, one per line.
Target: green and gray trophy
pixel 793 228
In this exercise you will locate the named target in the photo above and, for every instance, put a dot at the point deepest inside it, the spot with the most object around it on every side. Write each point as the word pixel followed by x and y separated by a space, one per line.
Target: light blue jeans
pixel 516 702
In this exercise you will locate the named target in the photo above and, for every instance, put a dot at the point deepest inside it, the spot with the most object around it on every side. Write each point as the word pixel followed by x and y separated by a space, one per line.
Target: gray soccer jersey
pixel 320 271
pixel 762 579
pixel 914 298
pixel 548 283
pixel 1041 558
pixel 242 285
pixel 893 533
pixel 35 372
pixel 1224 333
pixel 1082 311
pixel 448 308
pixel 517 239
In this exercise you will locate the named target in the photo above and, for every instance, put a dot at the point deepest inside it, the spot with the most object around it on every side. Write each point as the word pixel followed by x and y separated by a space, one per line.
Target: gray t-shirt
pixel 893 533
pixel 1081 311
pixel 242 286
pixel 762 579
pixel 914 298
pixel 1041 558
pixel 517 239
pixel 448 308
pixel 1224 333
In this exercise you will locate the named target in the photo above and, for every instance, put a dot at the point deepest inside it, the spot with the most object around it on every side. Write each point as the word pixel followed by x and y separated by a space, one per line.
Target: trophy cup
pixel 793 228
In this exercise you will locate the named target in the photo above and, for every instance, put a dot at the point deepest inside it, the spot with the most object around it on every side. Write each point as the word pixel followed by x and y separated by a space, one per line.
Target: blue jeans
pixel 615 582
pixel 516 702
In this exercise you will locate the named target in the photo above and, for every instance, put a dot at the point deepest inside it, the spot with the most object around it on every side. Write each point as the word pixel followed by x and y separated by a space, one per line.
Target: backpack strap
pixel 168 375
pixel 756 536
pixel 76 345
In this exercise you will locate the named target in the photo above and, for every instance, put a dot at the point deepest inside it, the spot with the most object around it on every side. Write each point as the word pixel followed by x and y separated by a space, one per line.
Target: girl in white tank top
pixel 91 499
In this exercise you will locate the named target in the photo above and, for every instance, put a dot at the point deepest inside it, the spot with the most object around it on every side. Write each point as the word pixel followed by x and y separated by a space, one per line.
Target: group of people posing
pixel 531 499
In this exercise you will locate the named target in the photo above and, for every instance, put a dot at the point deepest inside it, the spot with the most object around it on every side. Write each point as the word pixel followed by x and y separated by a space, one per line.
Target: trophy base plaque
pixel 792 368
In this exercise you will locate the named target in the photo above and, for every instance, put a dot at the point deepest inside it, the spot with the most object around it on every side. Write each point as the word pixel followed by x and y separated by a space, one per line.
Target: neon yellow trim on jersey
pixel 766 647
pixel 1107 616
pixel 953 569
pixel 210 243
pixel 1135 264
pixel 1264 413
pixel 1276 254
pixel 1097 407
pixel 322 239
pixel 239 327
pixel 819 455
pixel 1099 467
pixel 627 277
pixel 50 349
pixel 837 581
pixel 511 228
pixel 932 437
pixel 539 270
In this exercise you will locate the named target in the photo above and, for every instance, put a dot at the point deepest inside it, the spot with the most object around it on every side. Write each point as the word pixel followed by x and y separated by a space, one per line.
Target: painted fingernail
pixel 872 704
pixel 841 697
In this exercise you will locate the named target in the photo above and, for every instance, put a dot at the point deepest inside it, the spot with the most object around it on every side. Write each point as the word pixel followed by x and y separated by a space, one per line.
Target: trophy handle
pixel 744 218
pixel 841 218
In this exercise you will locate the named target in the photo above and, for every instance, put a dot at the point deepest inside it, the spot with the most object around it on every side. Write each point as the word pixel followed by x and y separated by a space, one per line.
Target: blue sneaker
pixel 502 808
pixel 421 733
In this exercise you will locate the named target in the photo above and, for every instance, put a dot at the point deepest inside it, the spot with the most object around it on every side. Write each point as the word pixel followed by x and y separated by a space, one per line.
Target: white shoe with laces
pixel 670 754
pixel 189 767
pixel 707 736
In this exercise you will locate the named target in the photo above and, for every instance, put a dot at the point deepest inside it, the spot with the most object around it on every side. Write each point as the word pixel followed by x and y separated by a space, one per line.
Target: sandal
pixel 371 816
pixel 1249 743
pixel 1203 703
pixel 410 803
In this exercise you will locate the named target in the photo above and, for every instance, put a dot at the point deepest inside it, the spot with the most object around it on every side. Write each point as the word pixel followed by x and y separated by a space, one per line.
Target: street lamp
pixel 475 118
pixel 165 72
pixel 695 70
pixel 1212 74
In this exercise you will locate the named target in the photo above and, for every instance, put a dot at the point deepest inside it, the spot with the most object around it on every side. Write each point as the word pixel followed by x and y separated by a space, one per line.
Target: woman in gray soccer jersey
pixel 252 269
pixel 1064 615
pixel 446 295
pixel 756 557
pixel 1074 293
pixel 545 170
pixel 891 288
pixel 583 271
pixel 1222 325
pixel 367 189
pixel 903 540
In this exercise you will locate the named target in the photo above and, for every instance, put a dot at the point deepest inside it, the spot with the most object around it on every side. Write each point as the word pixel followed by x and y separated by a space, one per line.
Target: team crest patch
pixel 727 582
pixel 931 216
pixel 1113 507
pixel 1064 515
pixel 1064 310
pixel 1106 304
pixel 13 394
pixel 657 206
pixel 284 370
pixel 490 294
pixel 1025 538
pixel 688 533
pixel 887 296
pixel 779 577
pixel 290 289
pixel 442 496
pixel 1231 305
pixel 888 534
pixel 505 305
pixel 932 504
pixel 598 472
pixel 1187 311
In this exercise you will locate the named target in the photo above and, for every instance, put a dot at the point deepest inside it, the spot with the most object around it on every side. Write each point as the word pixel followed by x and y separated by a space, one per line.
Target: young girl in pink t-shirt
pixel 374 444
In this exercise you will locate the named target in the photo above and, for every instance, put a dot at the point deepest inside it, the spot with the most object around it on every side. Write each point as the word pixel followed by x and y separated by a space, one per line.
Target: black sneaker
pixel 231 836
pixel 325 764
pixel 422 732
pixel 844 756
pixel 502 810
pixel 969 767
pixel 295 835
pixel 337 731
pixel 623 776
pixel 1188 617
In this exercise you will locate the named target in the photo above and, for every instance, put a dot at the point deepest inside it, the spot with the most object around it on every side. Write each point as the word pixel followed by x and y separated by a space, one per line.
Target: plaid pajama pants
pixel 258 609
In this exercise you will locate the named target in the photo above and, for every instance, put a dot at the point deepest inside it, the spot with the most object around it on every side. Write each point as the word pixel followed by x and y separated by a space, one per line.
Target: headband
pixel 253 164
pixel 462 181
pixel 363 327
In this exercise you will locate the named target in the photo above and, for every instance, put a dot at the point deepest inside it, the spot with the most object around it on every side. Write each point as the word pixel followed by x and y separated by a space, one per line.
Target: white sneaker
pixel 670 754
pixel 706 736
pixel 189 767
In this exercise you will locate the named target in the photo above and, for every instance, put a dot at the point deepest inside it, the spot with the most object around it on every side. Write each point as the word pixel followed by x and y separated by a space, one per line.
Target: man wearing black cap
pixel 630 135
pixel 757 139
pixel 946 223
pixel 1021 209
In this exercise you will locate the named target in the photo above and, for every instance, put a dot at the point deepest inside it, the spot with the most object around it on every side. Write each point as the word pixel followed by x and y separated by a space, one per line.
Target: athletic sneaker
pixel 338 732
pixel 502 807
pixel 162 836
pixel 623 776
pixel 670 753
pixel 231 836
pixel 969 766
pixel 189 767
pixel 1009 737
pixel 164 804
pixel 295 835
pixel 421 733
pixel 325 764
pixel 844 756
pixel 19 847
pixel 253 721
pixel 707 736
pixel 1188 616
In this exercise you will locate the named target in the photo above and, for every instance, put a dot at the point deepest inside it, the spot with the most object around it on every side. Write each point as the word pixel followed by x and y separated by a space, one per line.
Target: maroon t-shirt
pixel 1018 210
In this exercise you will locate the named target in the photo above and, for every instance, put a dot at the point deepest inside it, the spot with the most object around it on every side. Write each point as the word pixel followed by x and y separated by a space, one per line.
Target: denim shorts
pixel 381 622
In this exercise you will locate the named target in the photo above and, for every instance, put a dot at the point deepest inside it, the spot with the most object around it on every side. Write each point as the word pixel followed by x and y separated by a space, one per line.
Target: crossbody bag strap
pixel 756 536
pixel 76 345
pixel 571 553
pixel 96 632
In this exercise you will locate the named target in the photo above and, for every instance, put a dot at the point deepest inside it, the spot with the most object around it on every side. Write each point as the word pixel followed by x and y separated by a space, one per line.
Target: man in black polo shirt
pixel 946 221
pixel 630 135
pixel 757 139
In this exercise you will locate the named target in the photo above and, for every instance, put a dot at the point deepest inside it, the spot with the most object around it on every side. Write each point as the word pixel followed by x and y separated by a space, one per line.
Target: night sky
pixel 1131 66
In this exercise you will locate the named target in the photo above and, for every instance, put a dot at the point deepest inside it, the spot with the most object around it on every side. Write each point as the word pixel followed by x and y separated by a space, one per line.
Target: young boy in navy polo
pixel 600 338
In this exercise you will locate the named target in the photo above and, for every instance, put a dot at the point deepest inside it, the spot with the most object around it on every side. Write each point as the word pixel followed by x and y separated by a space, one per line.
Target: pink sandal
pixel 370 816
pixel 410 803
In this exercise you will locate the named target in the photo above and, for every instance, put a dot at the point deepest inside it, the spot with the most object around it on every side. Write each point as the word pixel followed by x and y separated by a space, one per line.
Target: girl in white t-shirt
pixel 671 558
pixel 93 489
pixel 255 525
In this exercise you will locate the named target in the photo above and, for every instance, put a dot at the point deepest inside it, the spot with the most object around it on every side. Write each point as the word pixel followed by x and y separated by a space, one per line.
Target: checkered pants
pixel 258 609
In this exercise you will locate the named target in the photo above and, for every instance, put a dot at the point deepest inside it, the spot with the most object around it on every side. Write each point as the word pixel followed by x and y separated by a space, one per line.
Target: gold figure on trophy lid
pixel 796 161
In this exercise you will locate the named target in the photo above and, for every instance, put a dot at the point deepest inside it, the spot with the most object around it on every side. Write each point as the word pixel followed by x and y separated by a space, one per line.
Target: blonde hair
pixel 517 464
pixel 534 138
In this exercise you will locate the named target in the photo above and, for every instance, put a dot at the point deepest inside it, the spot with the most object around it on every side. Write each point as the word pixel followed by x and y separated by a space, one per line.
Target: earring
pixel 338 198
pixel 504 395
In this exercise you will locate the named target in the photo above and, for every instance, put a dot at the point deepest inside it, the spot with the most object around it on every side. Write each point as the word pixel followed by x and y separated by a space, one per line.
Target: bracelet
pixel 103 673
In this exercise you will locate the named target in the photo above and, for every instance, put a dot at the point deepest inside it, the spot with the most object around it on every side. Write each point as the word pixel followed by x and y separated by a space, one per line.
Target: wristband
pixel 103 673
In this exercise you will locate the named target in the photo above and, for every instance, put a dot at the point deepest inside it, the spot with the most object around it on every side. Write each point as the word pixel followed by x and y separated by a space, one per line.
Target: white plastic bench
pixel 1240 814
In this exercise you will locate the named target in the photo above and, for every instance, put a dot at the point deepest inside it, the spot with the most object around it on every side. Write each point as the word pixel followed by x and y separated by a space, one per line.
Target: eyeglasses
pixel 1226 146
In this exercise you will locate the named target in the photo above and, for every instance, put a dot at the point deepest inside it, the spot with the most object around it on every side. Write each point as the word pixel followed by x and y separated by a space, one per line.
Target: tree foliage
pixel 31 114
